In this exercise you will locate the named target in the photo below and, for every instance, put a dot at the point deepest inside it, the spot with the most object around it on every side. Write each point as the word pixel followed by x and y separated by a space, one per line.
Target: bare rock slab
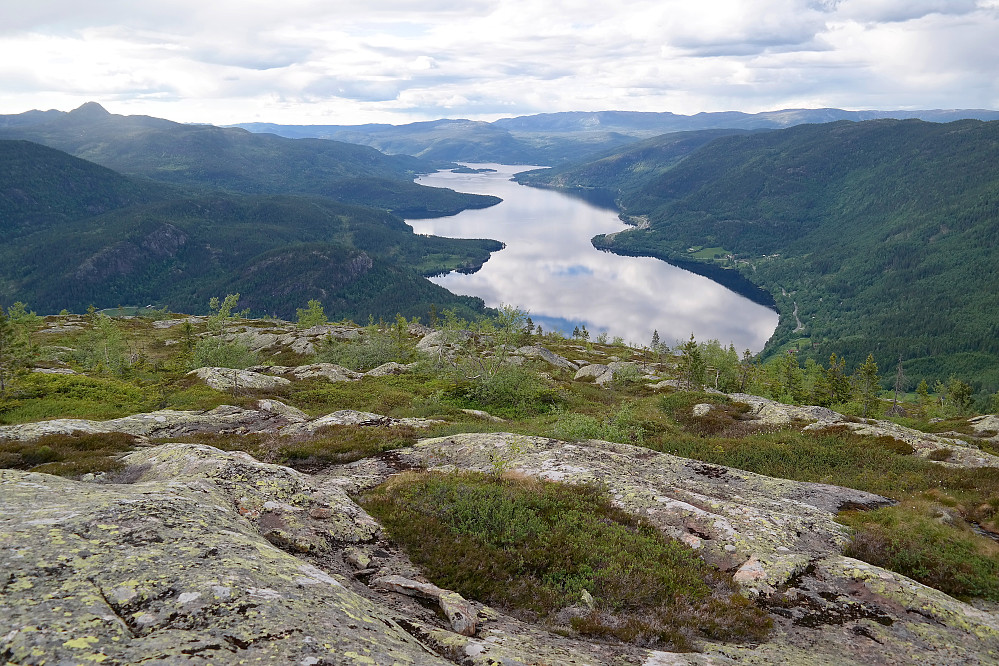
pixel 168 571
pixel 228 379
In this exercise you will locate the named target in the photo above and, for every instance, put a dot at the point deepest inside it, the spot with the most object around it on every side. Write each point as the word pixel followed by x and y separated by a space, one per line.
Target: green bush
pixel 623 426
pixel 218 353
pixel 374 348
pixel 44 396
pixel 508 391
pixel 67 455
pixel 336 445
pixel 533 548
pixel 906 540
pixel 311 316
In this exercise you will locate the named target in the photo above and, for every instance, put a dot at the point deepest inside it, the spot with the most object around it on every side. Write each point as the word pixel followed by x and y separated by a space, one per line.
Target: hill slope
pixel 881 235
pixel 76 233
pixel 40 186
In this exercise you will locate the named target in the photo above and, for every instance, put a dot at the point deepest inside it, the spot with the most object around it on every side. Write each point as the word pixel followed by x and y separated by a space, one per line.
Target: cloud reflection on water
pixel 550 269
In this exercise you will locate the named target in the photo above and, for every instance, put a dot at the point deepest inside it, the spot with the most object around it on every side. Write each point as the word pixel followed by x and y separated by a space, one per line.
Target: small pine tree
pixel 868 385
pixel 923 396
pixel 311 316
pixel 901 381
pixel 691 365
pixel 959 395
pixel 837 381
pixel 747 368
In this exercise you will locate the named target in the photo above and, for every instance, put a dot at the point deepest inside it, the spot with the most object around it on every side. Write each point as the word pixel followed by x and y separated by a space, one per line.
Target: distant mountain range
pixel 209 158
pixel 549 139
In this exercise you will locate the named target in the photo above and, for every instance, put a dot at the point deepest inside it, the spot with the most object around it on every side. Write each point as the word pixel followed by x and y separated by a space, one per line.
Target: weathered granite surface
pixel 215 558
pixel 271 416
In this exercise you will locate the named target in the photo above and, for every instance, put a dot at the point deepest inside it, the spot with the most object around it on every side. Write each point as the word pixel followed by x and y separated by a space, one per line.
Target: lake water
pixel 550 269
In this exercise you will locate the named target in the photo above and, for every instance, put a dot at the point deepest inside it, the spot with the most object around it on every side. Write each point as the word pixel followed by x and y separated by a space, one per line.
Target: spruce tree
pixel 868 384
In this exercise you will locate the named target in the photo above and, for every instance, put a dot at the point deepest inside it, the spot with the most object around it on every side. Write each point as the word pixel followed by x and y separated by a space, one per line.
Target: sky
pixel 398 61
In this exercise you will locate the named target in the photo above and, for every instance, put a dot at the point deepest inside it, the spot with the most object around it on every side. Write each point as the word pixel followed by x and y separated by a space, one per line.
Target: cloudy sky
pixel 347 62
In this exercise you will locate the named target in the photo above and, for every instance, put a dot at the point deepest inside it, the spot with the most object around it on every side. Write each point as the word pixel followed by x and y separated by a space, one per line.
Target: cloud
pixel 393 61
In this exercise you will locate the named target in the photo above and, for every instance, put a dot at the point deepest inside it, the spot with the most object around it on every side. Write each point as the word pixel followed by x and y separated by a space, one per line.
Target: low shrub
pixel 48 396
pixel 67 455
pixel 509 391
pixel 724 417
pixel 533 548
pixel 907 540
pixel 330 445
pixel 217 353
pixel 623 426
pixel 336 445
pixel 374 348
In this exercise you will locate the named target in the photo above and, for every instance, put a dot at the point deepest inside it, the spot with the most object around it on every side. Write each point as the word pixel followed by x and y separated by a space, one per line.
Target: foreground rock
pixel 213 557
pixel 169 571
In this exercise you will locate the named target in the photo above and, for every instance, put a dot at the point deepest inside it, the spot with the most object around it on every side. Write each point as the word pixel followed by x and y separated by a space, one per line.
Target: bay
pixel 550 269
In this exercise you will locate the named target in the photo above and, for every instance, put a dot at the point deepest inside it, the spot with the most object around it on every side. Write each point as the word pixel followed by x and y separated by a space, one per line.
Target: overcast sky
pixel 396 61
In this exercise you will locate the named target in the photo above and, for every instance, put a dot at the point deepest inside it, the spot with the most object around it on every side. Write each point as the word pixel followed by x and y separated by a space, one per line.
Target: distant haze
pixel 322 62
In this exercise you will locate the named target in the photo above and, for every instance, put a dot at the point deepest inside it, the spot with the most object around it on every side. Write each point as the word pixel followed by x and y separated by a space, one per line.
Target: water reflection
pixel 550 269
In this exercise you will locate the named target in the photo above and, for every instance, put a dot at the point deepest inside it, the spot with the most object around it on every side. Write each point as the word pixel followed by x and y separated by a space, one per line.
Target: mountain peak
pixel 92 110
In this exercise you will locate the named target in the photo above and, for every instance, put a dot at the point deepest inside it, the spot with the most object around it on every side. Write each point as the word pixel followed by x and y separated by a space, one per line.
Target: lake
pixel 550 269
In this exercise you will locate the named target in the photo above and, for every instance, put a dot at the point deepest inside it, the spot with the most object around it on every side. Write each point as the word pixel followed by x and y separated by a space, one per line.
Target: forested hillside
pixel 212 158
pixel 76 234
pixel 877 236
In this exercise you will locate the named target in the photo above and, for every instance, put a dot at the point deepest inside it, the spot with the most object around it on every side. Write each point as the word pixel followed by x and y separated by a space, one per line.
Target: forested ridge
pixel 877 236
pixel 75 234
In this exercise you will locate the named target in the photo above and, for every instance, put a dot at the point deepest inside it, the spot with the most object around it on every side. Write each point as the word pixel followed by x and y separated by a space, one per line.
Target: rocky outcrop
pixel 443 342
pixel 165 423
pixel 229 379
pixel 546 355
pixel 328 371
pixel 353 417
pixel 769 529
pixel 300 341
pixel 780 539
pixel 603 375
pixel 986 427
